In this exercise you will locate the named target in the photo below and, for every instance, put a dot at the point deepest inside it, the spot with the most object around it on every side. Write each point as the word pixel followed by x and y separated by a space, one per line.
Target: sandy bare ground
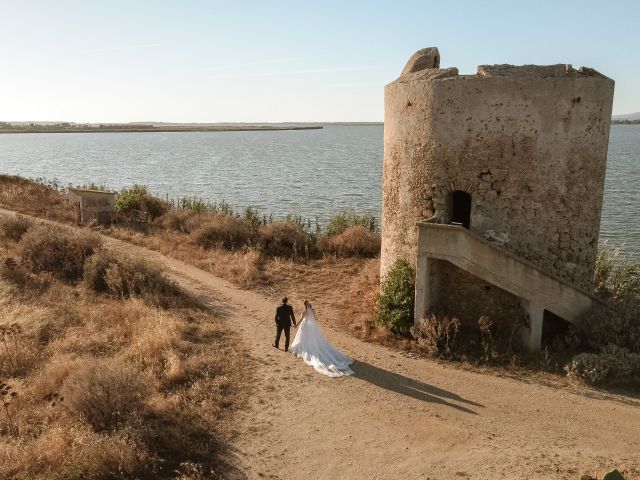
pixel 400 417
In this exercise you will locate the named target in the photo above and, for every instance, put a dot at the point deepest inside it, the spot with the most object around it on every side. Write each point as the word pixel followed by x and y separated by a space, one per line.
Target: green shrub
pixel 225 231
pixel 95 186
pixel 253 218
pixel 344 220
pixel 616 278
pixel 59 250
pixel 300 221
pixel 14 227
pixel 618 282
pixel 137 199
pixel 195 205
pixel 397 298
pixel 613 363
pixel 125 276
pixel 352 242
pixel 285 239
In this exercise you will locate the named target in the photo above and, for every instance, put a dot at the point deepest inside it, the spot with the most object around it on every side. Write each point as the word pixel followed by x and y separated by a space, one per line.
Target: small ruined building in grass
pixel 493 189
pixel 92 205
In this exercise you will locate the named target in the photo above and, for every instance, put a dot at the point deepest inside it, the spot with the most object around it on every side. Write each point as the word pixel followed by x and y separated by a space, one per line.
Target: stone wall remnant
pixel 92 205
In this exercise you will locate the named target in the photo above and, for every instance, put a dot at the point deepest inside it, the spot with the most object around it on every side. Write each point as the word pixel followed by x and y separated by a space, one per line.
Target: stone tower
pixel 516 153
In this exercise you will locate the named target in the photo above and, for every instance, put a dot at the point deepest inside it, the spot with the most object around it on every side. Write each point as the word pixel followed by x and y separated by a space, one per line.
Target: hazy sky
pixel 271 61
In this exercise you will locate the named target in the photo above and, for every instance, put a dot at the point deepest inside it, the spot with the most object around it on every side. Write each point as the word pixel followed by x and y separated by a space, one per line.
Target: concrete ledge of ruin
pixel 449 230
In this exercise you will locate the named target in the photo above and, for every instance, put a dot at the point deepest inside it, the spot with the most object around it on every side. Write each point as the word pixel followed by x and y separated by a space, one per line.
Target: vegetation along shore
pixel 64 127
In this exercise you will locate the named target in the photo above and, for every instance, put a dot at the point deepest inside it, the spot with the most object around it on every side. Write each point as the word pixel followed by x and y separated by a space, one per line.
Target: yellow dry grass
pixel 109 387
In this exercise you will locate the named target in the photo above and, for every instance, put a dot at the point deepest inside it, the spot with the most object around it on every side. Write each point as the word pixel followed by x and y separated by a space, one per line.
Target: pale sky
pixel 274 61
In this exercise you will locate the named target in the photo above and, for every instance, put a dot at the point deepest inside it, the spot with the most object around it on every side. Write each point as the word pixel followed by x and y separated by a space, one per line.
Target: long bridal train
pixel 316 351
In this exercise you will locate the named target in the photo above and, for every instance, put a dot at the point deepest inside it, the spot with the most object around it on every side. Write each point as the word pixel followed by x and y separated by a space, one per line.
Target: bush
pixel 615 277
pixel 39 197
pixel 225 231
pixel 618 282
pixel 397 298
pixel 60 251
pixel 104 392
pixel 285 239
pixel 137 199
pixel 124 276
pixel 253 218
pixel 352 242
pixel 14 273
pixel 344 220
pixel 612 364
pixel 603 326
pixel 436 335
pixel 14 227
pixel 611 333
pixel 178 220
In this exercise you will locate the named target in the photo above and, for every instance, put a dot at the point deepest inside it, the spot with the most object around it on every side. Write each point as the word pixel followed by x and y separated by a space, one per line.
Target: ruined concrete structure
pixel 516 154
pixel 92 205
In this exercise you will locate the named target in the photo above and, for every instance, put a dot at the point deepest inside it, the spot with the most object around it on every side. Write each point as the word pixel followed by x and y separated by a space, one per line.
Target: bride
pixel 315 350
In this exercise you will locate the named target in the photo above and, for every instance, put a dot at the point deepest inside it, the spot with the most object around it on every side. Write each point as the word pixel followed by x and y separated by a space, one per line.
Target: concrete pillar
pixel 532 335
pixel 425 282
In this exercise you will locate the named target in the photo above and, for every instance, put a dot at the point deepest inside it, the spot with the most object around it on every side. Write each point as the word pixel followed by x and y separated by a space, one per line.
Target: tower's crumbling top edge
pixel 425 65
pixel 428 74
pixel 536 71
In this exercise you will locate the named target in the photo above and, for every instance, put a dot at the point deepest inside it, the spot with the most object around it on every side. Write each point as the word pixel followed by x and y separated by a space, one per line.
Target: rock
pixel 613 475
pixel 500 238
pixel 421 60
pixel 439 217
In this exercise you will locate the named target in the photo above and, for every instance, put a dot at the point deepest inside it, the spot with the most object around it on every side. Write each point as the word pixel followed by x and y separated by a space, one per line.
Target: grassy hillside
pixel 107 370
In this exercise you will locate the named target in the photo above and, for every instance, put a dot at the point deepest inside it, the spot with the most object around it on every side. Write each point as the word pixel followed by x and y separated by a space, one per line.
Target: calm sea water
pixel 312 173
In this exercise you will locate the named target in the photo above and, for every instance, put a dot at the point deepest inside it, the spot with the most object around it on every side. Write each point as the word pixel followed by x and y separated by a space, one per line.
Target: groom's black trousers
pixel 287 333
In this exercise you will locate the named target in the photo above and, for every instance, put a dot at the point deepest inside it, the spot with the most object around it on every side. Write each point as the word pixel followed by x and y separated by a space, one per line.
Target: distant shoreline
pixel 158 129
pixel 625 122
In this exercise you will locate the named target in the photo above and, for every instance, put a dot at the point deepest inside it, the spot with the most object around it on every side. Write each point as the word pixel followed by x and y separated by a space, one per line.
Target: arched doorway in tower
pixel 460 208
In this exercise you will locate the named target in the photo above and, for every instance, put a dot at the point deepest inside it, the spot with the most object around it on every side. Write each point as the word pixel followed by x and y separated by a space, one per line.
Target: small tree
pixel 138 199
pixel 397 298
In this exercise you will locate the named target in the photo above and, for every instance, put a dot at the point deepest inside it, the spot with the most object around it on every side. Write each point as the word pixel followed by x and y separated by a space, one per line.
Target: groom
pixel 284 319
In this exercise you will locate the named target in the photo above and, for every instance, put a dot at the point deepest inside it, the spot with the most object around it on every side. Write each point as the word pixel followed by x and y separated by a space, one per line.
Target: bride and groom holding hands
pixel 309 342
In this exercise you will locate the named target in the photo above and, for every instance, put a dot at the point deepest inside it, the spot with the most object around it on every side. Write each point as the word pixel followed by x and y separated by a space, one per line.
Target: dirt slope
pixel 399 417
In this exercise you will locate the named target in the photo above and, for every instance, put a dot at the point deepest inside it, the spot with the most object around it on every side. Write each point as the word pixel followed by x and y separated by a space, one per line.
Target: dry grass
pixel 59 250
pixel 39 198
pixel 110 385
pixel 285 240
pixel 224 231
pixel 281 258
pixel 355 241
pixel 244 268
pixel 14 228
pixel 126 277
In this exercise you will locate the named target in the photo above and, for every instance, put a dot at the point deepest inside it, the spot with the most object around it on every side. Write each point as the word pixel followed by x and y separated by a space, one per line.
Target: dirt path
pixel 399 417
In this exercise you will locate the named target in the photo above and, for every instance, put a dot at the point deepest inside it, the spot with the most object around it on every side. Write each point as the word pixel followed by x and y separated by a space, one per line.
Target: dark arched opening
pixel 460 208
pixel 554 328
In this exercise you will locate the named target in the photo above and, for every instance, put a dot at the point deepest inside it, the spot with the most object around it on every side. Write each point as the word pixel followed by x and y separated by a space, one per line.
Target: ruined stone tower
pixel 514 153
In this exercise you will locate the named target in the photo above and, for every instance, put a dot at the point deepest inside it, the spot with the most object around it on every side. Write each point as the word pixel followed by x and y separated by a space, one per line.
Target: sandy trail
pixel 399 417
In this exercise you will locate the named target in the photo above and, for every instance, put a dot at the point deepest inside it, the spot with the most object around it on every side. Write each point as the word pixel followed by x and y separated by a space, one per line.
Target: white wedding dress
pixel 316 351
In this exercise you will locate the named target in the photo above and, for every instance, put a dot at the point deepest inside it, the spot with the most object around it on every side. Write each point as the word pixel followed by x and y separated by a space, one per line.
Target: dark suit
pixel 284 319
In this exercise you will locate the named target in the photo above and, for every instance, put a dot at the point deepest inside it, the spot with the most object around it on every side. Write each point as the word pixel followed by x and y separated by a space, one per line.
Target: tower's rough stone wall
pixel 528 143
